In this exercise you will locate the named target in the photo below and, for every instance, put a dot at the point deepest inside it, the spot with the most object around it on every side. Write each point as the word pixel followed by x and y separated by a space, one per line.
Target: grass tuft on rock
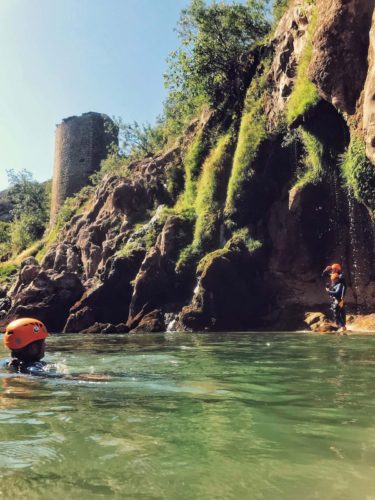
pixel 239 241
pixel 192 163
pixel 251 135
pixel 210 192
pixel 7 271
pixel 312 171
pixel 242 237
pixel 9 268
pixel 72 206
pixel 359 173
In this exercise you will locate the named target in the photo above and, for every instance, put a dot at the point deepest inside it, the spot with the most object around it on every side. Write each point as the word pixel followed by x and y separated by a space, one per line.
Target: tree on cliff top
pixel 30 202
pixel 210 66
pixel 27 195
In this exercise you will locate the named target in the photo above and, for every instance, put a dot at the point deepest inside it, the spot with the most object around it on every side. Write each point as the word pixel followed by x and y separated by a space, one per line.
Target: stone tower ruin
pixel 81 144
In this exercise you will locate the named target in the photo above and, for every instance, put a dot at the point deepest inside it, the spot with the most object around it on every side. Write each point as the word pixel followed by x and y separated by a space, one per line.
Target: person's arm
pixel 326 272
pixel 342 291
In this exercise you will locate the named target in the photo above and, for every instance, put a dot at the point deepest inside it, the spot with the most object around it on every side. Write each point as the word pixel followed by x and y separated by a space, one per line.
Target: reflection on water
pixel 265 416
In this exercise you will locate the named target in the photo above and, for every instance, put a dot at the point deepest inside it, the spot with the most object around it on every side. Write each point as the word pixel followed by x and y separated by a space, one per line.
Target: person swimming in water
pixel 25 338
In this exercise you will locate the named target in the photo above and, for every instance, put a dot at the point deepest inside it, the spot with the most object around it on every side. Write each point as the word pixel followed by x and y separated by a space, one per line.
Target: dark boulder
pixel 151 322
pixel 229 294
pixel 107 301
pixel 155 284
pixel 47 298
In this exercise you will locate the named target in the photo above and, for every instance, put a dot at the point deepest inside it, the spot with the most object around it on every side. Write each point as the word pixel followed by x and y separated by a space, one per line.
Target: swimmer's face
pixel 31 353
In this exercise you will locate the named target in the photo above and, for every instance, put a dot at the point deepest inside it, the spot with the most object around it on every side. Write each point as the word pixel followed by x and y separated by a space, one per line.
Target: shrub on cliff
pixel 4 239
pixel 136 140
pixel 358 172
pixel 27 195
pixel 211 65
pixel 278 9
pixel 25 229
pixel 30 201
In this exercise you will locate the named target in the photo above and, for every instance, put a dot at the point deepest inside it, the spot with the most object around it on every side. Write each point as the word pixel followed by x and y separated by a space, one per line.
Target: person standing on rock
pixel 337 291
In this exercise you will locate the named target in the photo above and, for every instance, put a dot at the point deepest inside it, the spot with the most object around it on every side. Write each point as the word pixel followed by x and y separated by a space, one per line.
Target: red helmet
pixel 21 332
pixel 336 268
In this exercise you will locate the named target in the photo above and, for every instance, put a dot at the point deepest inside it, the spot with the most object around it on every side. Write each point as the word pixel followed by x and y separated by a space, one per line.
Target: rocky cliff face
pixel 270 209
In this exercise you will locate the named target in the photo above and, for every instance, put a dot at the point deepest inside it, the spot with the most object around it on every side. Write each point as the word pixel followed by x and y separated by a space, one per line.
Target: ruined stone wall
pixel 81 144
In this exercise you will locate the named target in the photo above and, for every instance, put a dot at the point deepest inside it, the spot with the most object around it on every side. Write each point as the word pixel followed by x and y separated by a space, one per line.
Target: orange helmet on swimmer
pixel 21 332
pixel 334 277
pixel 336 268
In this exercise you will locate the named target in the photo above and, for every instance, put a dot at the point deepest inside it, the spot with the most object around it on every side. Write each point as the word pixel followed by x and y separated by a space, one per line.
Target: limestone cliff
pixel 231 228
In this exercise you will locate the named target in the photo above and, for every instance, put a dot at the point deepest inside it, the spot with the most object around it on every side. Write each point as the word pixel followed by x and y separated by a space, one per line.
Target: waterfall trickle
pixel 356 270
pixel 336 215
pixel 372 226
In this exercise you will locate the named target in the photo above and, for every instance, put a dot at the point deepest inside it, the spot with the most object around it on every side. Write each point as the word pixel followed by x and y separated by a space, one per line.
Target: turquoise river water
pixel 193 416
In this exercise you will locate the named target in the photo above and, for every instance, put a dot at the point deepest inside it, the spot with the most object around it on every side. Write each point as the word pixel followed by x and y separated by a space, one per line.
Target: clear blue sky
pixel 66 57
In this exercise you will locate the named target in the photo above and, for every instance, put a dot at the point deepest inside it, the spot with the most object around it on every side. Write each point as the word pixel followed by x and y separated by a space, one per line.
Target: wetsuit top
pixel 337 291
pixel 37 368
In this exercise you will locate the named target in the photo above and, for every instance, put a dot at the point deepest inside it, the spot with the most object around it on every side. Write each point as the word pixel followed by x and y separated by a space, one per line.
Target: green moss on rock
pixel 305 95
pixel 241 238
pixel 312 171
pixel 359 173
pixel 207 260
pixel 211 192
pixel 239 242
pixel 251 135
pixel 7 270
pixel 192 163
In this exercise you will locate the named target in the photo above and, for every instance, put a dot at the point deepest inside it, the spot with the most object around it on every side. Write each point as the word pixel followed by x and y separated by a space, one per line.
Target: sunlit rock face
pixel 288 42
pixel 341 41
pixel 369 98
